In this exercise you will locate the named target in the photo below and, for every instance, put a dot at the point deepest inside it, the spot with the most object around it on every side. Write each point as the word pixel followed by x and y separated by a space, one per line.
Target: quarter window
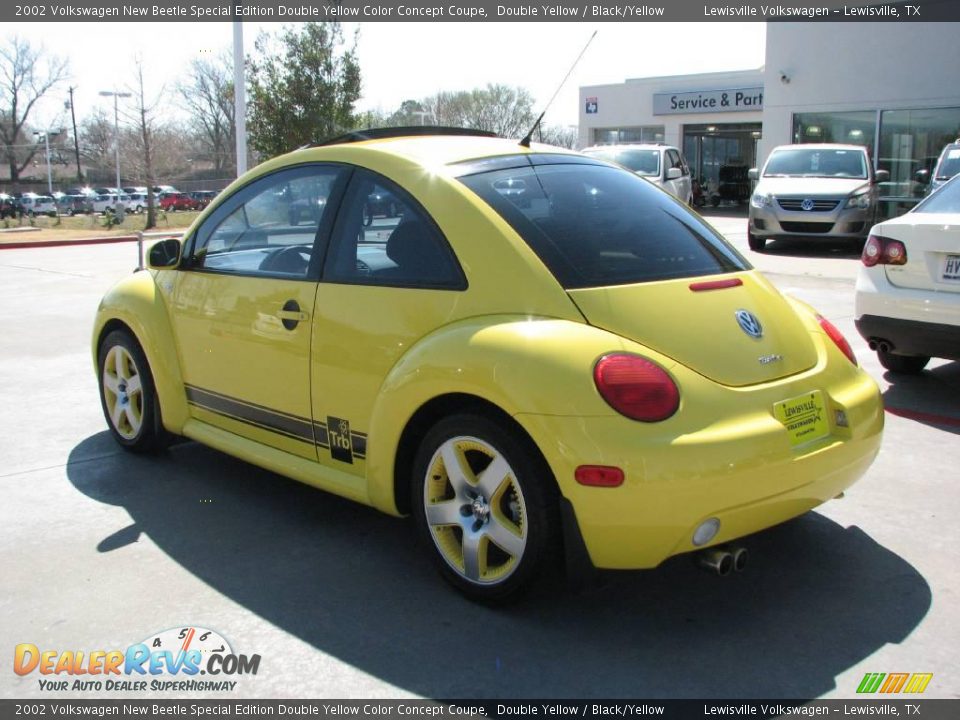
pixel 270 227
pixel 384 237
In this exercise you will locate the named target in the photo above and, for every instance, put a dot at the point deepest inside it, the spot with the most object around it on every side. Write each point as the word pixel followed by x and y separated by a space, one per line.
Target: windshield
pixel 816 162
pixel 642 162
pixel 950 165
pixel 596 225
pixel 944 200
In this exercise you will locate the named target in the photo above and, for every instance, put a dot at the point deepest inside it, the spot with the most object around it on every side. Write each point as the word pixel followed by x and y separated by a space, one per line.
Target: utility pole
pixel 76 140
pixel 239 94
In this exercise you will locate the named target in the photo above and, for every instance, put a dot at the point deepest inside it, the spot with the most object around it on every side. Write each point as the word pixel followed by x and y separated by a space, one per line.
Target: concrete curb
pixel 85 241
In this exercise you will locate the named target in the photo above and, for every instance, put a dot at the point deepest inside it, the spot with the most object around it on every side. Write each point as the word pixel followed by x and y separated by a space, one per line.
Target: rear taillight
pixel 879 250
pixel 839 340
pixel 636 387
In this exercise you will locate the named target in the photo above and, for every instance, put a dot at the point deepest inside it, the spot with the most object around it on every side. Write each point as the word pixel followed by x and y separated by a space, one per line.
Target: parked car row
pixel 83 201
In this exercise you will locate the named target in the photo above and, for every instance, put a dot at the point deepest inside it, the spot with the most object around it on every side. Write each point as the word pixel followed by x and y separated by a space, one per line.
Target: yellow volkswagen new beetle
pixel 531 351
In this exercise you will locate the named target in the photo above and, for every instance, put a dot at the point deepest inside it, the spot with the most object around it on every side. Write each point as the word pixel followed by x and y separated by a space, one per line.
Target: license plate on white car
pixel 951 269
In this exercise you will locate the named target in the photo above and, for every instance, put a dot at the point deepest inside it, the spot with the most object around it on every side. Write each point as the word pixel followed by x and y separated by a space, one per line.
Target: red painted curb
pixel 925 417
pixel 64 243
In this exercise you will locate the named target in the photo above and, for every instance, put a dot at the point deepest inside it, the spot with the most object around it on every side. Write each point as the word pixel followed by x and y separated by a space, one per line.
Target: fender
pixel 137 302
pixel 515 362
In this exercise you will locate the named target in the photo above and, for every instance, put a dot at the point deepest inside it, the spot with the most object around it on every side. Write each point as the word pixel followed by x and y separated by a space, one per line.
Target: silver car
pixel 663 165
pixel 947 166
pixel 822 191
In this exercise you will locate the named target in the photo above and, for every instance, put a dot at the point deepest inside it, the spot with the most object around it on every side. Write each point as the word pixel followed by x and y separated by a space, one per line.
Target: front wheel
pixel 757 244
pixel 904 364
pixel 485 504
pixel 127 394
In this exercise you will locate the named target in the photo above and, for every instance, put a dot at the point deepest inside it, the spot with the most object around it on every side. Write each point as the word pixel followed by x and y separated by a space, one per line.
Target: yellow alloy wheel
pixel 123 392
pixel 475 511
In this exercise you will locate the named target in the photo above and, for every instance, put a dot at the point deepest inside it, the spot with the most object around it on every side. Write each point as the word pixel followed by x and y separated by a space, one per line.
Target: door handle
pixel 291 314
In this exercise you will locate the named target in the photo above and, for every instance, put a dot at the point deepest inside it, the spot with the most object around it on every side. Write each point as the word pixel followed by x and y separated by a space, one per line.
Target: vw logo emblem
pixel 749 323
pixel 807 204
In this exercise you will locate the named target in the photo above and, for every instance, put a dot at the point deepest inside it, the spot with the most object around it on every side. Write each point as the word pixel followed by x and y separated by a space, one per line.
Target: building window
pixel 642 134
pixel 910 143
pixel 849 128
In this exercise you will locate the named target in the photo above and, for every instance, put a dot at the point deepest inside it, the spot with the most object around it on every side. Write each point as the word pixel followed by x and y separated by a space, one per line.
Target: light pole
pixel 118 206
pixel 46 143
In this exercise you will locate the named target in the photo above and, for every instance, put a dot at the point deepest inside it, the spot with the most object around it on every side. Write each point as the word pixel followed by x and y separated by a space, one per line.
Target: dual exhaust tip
pixel 880 344
pixel 723 560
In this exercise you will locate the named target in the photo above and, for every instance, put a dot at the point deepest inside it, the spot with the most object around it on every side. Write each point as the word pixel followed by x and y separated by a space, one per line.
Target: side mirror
pixel 922 176
pixel 881 176
pixel 753 174
pixel 674 173
pixel 164 254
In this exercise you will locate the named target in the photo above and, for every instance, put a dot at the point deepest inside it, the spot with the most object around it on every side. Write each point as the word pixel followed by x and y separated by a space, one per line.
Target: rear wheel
pixel 905 364
pixel 128 395
pixel 486 506
pixel 756 244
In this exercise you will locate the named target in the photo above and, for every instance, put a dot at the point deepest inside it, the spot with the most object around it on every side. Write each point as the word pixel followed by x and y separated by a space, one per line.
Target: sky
pixel 401 61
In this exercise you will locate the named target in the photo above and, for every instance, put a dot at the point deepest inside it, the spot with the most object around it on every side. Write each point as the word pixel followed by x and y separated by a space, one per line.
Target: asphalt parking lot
pixel 101 549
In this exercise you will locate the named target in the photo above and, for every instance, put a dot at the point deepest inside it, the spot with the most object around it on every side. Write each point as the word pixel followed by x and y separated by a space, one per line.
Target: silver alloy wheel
pixel 123 392
pixel 475 511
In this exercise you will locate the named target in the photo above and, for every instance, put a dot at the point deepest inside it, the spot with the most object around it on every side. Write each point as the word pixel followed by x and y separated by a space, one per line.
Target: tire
pixel 904 364
pixel 757 244
pixel 133 416
pixel 489 539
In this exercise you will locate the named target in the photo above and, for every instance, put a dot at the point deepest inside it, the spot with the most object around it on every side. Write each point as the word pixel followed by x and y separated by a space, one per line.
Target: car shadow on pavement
pixel 813 248
pixel 817 598
pixel 931 397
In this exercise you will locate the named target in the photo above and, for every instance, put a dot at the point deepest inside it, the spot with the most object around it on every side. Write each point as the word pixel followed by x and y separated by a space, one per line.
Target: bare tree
pixel 27 73
pixel 146 130
pixel 505 110
pixel 96 140
pixel 208 97
pixel 565 136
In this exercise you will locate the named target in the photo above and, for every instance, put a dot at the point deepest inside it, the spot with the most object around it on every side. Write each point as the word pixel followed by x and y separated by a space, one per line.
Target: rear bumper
pixel 911 337
pixel 740 469
pixel 912 321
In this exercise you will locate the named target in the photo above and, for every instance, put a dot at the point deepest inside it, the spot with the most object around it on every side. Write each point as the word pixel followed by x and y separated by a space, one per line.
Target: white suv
pixel 663 165
pixel 908 289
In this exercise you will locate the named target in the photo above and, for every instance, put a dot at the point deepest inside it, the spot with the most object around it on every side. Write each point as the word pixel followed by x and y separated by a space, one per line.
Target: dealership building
pixel 892 87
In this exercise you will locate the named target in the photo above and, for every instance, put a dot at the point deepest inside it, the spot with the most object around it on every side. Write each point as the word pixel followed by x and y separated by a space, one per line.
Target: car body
pixel 108 202
pixel 201 198
pixel 172 201
pixel 824 191
pixel 137 201
pixel 586 365
pixel 908 288
pixel 75 204
pixel 9 206
pixel 34 204
pixel 948 165
pixel 663 165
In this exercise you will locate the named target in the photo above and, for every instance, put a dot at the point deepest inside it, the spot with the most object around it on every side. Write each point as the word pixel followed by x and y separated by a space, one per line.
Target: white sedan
pixel 908 289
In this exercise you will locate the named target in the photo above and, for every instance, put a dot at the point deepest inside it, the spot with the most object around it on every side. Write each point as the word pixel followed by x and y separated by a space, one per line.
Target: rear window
pixel 595 225
pixel 949 164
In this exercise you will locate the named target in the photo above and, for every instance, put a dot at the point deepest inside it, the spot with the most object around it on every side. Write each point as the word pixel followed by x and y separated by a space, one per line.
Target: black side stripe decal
pixel 291 426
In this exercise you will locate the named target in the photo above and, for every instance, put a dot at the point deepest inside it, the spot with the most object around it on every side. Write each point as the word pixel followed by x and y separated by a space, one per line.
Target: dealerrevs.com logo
pixel 184 659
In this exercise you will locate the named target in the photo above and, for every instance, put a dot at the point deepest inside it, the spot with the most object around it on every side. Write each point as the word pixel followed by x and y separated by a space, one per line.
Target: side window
pixel 269 227
pixel 385 237
pixel 673 160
